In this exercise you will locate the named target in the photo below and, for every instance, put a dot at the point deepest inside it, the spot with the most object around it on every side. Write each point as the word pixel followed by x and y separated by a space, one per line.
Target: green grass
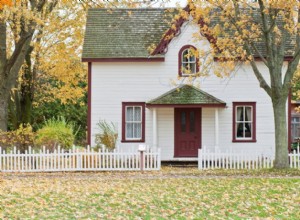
pixel 167 194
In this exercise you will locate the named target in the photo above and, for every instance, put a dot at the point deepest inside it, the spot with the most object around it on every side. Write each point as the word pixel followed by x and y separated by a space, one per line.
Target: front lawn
pixel 167 194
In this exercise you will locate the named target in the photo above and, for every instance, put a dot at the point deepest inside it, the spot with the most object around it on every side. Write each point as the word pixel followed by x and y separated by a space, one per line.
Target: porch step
pixel 180 163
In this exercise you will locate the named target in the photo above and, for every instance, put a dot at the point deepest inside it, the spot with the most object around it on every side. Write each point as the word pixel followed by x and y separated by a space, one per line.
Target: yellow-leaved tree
pixel 52 69
pixel 21 18
pixel 42 39
pixel 258 33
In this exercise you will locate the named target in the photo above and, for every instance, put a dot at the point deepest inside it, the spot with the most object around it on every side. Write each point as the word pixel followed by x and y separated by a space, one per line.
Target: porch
pixel 183 120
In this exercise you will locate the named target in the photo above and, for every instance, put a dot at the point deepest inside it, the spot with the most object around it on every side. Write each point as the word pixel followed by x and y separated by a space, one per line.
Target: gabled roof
pixel 186 95
pixel 128 33
pixel 123 33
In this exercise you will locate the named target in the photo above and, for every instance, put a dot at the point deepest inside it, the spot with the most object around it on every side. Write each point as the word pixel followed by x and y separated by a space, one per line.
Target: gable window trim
pixel 235 105
pixel 180 61
pixel 135 105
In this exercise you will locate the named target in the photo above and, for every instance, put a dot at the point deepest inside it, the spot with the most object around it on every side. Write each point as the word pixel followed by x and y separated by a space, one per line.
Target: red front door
pixel 187 132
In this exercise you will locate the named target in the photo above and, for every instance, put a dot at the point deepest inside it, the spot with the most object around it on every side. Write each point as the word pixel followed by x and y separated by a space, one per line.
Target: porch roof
pixel 186 96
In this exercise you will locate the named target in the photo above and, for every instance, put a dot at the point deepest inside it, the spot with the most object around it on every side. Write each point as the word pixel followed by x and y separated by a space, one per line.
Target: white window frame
pixel 189 62
pixel 243 122
pixel 294 125
pixel 134 122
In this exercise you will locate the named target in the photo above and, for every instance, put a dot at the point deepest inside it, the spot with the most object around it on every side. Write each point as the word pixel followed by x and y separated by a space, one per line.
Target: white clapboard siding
pixel 144 81
pixel 214 158
pixel 79 160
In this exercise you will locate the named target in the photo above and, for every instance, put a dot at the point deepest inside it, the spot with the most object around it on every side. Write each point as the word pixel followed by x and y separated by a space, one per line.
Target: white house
pixel 135 89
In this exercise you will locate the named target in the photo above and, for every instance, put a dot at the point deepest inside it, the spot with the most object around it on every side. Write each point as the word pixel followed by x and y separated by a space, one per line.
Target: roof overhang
pixel 223 105
pixel 124 59
pixel 186 96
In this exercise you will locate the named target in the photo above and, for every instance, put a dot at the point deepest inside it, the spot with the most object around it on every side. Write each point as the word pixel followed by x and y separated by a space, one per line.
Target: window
pixel 188 63
pixel 133 122
pixel 295 127
pixel 244 122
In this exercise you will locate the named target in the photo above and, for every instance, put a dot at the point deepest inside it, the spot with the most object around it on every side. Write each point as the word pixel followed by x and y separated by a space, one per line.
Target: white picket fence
pixel 216 159
pixel 79 160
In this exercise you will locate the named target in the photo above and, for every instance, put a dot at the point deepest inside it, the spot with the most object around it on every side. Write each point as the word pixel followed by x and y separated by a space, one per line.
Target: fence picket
pixel 75 160
pixel 229 159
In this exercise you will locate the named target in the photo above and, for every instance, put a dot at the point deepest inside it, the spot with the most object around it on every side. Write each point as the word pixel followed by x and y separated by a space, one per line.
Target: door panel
pixel 187 132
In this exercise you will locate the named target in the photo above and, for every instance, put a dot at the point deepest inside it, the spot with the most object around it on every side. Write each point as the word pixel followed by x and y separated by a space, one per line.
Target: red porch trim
pixel 234 139
pixel 137 59
pixel 89 114
pixel 124 104
pixel 221 105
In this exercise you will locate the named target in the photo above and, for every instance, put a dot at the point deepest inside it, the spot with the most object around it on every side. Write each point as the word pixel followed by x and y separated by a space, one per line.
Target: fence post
pixel 142 149
pixel 199 160
pixel 158 158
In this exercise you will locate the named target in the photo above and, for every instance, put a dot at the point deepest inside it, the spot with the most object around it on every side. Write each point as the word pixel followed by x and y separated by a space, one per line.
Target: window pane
pixel 137 130
pixel 183 121
pixel 192 121
pixel 185 56
pixel 193 68
pixel 248 130
pixel 248 114
pixel 295 119
pixel 185 68
pixel 129 114
pixel 137 114
pixel 239 114
pixel 129 130
pixel 192 57
pixel 239 130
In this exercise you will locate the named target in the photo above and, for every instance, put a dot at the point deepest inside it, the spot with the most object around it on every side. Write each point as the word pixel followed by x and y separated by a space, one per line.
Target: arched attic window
pixel 188 62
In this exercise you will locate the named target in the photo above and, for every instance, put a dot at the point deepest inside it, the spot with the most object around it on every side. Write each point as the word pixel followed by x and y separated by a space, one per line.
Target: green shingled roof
pixel 128 33
pixel 186 95
pixel 123 33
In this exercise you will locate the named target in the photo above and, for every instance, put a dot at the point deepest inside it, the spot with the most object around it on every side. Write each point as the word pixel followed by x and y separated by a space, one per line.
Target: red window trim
pixel 234 104
pixel 180 59
pixel 124 105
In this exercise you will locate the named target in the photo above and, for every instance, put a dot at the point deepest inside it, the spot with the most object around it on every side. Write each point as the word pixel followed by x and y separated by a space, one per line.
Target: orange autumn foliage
pixel 5 2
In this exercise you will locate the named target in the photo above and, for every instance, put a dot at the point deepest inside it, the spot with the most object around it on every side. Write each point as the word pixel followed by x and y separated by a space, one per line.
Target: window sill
pixel 188 75
pixel 244 141
pixel 133 141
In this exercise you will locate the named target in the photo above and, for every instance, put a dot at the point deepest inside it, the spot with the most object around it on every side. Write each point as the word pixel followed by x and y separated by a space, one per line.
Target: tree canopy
pixel 256 32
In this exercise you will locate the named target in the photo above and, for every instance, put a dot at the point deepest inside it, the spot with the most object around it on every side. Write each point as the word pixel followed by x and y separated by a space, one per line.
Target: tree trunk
pixel 281 140
pixel 27 90
pixel 4 98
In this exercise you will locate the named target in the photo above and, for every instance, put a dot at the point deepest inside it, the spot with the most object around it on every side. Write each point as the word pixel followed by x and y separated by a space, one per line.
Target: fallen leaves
pixel 167 194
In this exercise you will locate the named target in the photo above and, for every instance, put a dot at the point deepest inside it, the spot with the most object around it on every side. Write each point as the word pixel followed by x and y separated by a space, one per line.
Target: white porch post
pixel 154 124
pixel 216 127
